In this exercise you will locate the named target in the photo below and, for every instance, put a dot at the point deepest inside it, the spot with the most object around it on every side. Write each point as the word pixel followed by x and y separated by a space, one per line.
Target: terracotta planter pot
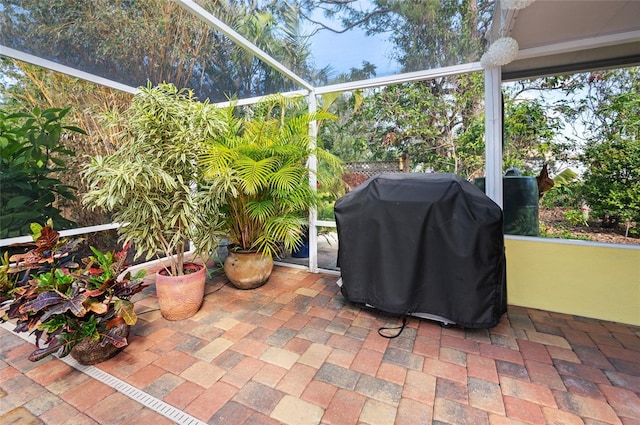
pixel 247 269
pixel 180 297
pixel 88 353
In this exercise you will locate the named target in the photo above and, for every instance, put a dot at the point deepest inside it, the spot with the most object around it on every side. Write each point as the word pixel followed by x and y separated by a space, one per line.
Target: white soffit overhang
pixel 561 36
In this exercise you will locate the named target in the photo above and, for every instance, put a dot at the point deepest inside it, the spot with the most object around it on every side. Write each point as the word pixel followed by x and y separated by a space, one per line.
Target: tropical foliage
pixel 612 181
pixel 31 156
pixel 64 302
pixel 603 109
pixel 259 164
pixel 164 42
pixel 37 88
pixel 439 126
pixel 152 184
pixel 444 133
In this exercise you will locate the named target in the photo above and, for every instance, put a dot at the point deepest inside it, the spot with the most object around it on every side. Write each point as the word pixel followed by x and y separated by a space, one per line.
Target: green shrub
pixel 612 181
pixel 560 232
pixel 30 157
pixel 566 192
pixel 576 218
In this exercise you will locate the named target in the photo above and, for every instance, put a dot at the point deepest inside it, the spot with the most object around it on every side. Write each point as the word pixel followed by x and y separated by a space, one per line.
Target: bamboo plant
pixel 153 184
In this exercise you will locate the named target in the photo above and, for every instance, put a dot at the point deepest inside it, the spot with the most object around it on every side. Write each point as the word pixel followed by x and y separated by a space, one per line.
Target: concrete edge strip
pixel 145 399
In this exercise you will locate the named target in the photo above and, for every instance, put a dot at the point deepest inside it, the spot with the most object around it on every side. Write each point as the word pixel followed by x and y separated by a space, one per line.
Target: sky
pixel 349 49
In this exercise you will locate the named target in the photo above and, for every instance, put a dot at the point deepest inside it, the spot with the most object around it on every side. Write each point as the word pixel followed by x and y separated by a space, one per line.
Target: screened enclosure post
pixel 493 134
pixel 313 182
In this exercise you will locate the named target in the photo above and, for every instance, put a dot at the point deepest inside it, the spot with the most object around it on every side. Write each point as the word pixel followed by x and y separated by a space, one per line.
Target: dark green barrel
pixel 520 204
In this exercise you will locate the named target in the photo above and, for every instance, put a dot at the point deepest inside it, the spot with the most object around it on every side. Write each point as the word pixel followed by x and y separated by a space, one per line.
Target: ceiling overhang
pixel 562 36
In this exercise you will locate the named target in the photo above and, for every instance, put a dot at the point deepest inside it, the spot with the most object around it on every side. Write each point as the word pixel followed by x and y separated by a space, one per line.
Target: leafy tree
pixel 426 34
pixel 422 120
pixel 529 132
pixel 30 157
pixel 439 125
pixel 345 137
pixel 135 42
pixel 157 41
pixel 612 180
pixel 609 114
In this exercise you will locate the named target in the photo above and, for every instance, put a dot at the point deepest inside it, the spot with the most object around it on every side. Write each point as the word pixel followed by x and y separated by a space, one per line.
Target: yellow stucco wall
pixel 587 279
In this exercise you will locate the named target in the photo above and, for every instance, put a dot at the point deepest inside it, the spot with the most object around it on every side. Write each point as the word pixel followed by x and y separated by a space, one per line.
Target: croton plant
pixel 64 301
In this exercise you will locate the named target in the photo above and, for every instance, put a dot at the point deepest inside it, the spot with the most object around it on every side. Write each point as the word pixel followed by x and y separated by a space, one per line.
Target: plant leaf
pixel 96 306
pixel 41 353
pixel 112 336
pixel 124 309
pixel 75 305
pixel 43 300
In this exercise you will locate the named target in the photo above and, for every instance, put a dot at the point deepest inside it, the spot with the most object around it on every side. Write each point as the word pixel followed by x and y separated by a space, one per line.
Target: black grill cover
pixel 423 244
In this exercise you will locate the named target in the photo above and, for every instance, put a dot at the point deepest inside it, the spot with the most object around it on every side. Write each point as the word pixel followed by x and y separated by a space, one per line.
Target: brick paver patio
pixel 295 352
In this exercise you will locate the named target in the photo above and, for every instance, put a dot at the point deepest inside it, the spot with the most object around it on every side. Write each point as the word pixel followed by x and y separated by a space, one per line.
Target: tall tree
pixel 423 120
pixel 610 115
pixel 135 42
pixel 425 33
pixel 152 40
pixel 439 125
pixel 426 120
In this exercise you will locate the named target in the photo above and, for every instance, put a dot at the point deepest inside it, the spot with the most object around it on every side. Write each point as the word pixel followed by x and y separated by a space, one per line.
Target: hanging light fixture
pixel 505 49
pixel 515 4
pixel 501 52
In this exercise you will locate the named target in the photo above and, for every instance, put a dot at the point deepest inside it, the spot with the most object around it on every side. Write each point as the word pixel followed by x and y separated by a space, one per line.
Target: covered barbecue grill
pixel 428 245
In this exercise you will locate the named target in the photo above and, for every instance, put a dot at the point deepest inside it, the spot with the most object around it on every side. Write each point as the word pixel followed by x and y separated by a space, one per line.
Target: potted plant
pixel 259 165
pixel 153 186
pixel 79 308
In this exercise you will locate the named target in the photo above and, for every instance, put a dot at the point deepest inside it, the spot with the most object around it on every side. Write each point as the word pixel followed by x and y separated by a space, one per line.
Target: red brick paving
pixel 451 412
pixel 344 409
pixel 367 361
pixel 242 373
pixel 391 372
pixel 411 412
pixel 86 395
pixel 544 374
pixel 209 402
pixel 319 393
pixel 522 410
pixel 59 414
pixel 183 395
pixel 482 368
pixel 115 408
pixel 145 376
pixel 49 372
pixel 175 362
pixel 297 379
pixel 534 367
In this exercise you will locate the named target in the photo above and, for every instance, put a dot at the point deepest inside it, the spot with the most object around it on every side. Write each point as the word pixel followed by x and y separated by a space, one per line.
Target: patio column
pixel 493 134
pixel 313 182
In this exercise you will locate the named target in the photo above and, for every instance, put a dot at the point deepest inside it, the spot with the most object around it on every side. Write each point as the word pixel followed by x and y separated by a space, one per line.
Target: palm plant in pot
pixel 259 164
pixel 153 186
pixel 79 308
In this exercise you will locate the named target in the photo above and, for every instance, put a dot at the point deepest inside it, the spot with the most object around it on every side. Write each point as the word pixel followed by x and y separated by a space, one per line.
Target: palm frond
pixel 261 209
pixel 266 186
pixel 286 178
pixel 254 174
pixel 216 158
